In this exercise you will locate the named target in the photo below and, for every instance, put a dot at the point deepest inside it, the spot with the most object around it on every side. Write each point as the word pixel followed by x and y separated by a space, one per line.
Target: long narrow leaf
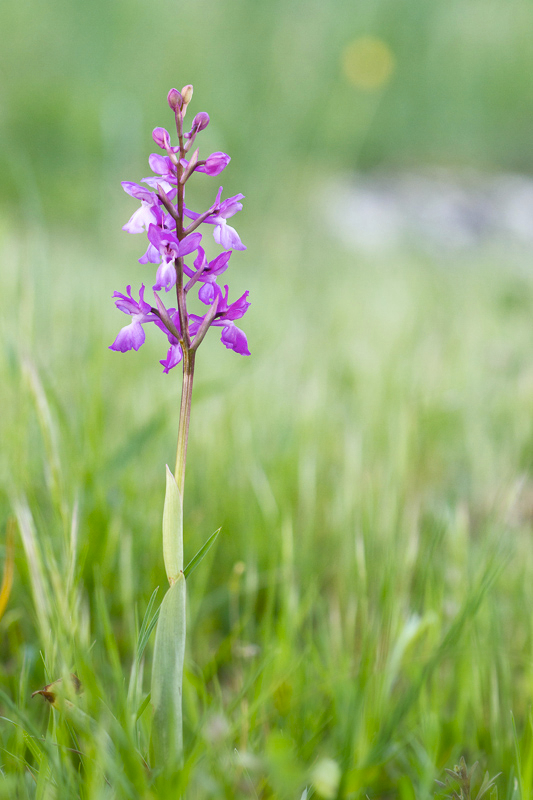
pixel 148 624
pixel 143 706
pixel 148 613
pixel 147 634
pixel 201 554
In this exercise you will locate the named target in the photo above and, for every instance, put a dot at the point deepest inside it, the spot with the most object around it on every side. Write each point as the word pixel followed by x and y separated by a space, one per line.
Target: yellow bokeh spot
pixel 368 63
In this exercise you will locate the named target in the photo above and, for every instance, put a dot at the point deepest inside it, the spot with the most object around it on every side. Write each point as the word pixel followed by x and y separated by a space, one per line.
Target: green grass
pixel 368 597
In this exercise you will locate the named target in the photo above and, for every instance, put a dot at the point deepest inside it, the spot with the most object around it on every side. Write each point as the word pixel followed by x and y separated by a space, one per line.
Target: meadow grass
pixel 368 599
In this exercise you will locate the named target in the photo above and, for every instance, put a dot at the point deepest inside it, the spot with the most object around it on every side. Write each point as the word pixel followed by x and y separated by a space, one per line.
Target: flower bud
pixel 186 93
pixel 175 100
pixel 187 97
pixel 161 137
pixel 201 121
pixel 214 164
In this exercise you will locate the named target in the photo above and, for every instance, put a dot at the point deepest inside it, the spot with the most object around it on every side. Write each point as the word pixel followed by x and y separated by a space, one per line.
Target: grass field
pixel 365 614
pixel 368 599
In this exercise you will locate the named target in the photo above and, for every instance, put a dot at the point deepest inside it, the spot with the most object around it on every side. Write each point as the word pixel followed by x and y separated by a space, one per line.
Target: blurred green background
pixel 82 86
pixel 369 600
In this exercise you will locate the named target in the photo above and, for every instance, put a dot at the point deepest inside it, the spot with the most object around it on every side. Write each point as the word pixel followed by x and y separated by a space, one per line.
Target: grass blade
pixel 148 624
pixel 7 578
pixel 201 554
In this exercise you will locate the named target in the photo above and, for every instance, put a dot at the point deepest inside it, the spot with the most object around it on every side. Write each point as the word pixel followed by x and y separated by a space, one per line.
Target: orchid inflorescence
pixel 163 216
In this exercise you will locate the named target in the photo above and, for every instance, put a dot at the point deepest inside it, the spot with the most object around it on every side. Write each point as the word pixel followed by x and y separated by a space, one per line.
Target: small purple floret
pixel 214 164
pixel 223 234
pixel 161 137
pixel 235 339
pixel 132 336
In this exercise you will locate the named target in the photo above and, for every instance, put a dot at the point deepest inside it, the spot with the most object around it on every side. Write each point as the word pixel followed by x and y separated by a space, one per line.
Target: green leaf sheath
pixel 173 529
pixel 167 678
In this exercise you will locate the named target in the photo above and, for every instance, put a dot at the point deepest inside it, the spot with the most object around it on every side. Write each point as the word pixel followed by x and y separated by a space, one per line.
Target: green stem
pixel 185 415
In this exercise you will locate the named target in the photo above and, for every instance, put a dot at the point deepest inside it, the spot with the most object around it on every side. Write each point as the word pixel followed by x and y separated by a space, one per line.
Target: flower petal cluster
pixel 132 336
pixel 219 213
pixel 172 231
pixel 232 336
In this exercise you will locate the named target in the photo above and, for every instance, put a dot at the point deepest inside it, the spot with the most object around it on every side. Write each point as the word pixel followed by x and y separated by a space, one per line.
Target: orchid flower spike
pixel 173 234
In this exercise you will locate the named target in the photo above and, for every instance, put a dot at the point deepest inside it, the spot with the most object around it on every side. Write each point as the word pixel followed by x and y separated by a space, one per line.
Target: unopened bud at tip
pixel 186 93
pixel 175 100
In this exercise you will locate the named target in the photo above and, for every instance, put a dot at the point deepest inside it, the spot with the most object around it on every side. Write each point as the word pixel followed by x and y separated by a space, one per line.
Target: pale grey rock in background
pixel 433 210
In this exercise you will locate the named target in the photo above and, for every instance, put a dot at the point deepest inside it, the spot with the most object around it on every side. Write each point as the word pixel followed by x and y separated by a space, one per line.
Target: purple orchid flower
pixel 174 356
pixel 146 214
pixel 163 167
pixel 207 273
pixel 175 352
pixel 232 336
pixel 234 339
pixel 132 336
pixel 167 246
pixel 165 224
pixel 236 310
pixel 224 234
pixel 214 164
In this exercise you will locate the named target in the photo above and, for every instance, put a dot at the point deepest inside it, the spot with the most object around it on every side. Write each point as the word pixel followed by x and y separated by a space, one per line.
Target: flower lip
pixel 235 339
pixel 132 336
pixel 174 357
